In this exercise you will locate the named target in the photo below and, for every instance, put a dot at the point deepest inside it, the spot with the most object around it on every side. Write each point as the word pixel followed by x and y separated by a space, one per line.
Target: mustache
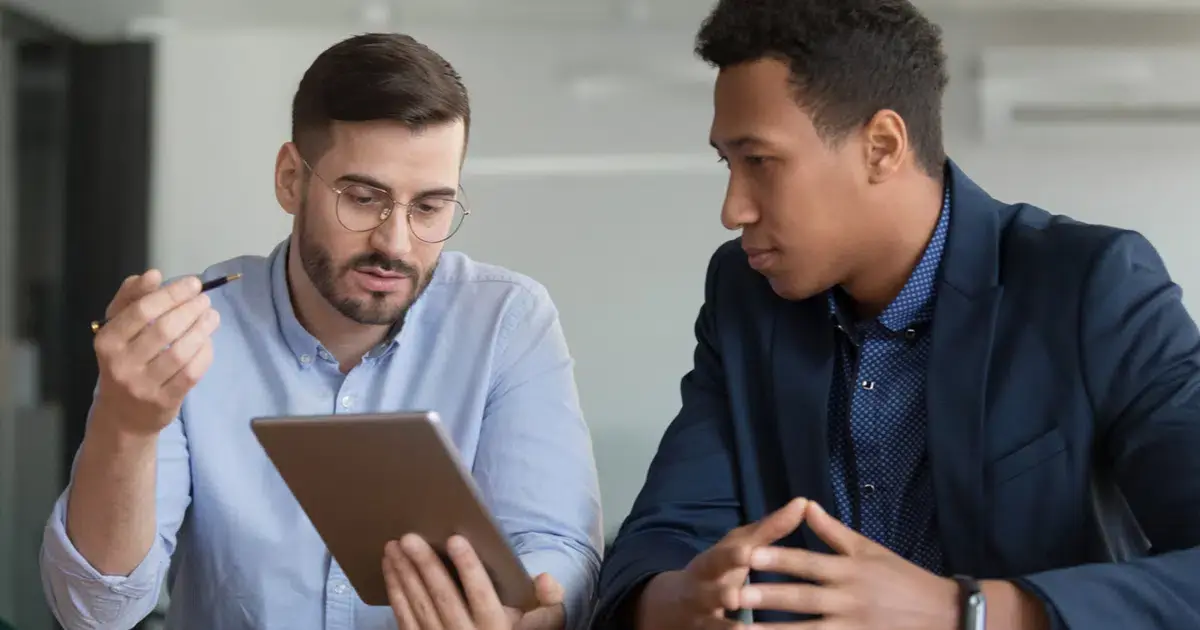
pixel 374 260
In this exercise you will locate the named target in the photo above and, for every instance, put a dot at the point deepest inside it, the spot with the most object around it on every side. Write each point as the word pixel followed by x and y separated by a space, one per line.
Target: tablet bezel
pixel 360 468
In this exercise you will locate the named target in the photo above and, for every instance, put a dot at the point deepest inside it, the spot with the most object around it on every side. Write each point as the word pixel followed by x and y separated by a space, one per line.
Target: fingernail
pixel 751 597
pixel 760 556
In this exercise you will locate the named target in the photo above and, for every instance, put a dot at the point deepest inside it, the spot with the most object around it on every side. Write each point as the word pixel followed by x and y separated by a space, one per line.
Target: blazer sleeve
pixel 1141 361
pixel 688 501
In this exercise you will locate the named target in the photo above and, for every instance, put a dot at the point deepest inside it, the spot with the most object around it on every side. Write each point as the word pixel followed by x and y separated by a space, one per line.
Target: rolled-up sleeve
pixel 534 464
pixel 82 598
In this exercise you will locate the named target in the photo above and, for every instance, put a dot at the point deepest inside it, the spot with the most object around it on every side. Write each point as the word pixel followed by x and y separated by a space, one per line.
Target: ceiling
pixel 113 18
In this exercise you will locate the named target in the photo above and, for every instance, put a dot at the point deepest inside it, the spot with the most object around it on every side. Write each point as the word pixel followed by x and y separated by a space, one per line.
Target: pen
pixel 207 286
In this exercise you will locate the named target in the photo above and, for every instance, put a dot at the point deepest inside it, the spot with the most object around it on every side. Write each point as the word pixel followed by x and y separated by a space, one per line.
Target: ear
pixel 289 178
pixel 886 145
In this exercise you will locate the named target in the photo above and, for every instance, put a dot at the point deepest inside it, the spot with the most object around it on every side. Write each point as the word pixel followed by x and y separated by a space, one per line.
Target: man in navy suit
pixel 903 387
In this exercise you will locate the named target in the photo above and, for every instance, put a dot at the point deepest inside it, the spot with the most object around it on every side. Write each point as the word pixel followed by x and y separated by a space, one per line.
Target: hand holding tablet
pixel 424 595
pixel 368 480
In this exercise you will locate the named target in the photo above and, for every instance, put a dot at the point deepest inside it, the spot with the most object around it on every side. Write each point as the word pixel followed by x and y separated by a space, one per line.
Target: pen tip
pixel 233 276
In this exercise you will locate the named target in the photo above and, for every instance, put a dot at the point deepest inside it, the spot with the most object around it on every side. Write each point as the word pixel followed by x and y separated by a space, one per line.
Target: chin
pixel 792 290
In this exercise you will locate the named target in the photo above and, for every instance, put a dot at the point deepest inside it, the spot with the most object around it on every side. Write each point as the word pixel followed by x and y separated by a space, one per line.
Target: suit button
pixel 867 385
pixel 868 489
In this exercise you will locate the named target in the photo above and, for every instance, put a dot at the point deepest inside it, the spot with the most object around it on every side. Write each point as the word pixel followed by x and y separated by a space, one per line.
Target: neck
pixel 908 216
pixel 347 340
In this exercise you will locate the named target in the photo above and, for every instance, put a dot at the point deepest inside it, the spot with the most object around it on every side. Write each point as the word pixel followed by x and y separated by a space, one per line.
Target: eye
pixel 364 196
pixel 433 206
pixel 755 160
pixel 723 160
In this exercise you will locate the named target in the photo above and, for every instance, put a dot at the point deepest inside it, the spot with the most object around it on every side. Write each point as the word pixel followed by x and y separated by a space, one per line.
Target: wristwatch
pixel 974 606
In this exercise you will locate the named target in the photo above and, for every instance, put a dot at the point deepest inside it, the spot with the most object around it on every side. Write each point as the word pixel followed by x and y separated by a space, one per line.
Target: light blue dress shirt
pixel 482 346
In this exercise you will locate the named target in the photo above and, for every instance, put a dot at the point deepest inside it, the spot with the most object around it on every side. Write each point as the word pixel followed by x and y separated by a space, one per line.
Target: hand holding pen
pixel 154 346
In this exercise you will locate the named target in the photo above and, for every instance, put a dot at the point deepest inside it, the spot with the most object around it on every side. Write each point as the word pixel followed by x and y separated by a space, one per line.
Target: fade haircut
pixel 849 59
pixel 376 76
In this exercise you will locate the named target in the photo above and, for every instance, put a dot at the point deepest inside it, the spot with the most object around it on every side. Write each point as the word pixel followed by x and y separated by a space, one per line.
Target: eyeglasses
pixel 362 208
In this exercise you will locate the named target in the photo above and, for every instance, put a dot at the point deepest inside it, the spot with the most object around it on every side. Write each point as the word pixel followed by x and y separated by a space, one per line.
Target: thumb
pixel 779 523
pixel 549 591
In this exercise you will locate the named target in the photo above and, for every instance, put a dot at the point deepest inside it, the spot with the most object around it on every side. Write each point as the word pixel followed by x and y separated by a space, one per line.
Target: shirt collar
pixel 304 346
pixel 914 303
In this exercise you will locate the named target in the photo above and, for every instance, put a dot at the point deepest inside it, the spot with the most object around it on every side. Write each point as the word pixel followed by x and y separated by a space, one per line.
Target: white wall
pixel 623 253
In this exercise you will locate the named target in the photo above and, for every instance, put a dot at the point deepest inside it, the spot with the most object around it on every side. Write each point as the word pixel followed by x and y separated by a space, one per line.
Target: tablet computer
pixel 364 480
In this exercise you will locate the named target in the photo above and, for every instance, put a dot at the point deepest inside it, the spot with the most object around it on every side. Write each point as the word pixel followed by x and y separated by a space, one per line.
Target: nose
pixel 739 209
pixel 392 238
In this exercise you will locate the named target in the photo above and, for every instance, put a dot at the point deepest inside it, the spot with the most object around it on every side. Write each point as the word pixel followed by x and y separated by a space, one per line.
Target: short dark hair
pixel 376 76
pixel 849 59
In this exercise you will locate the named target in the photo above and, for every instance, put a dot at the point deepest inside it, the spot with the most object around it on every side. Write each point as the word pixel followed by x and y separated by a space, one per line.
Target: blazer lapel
pixel 802 366
pixel 963 326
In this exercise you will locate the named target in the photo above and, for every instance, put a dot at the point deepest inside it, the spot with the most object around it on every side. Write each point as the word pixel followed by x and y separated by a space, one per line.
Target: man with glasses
pixel 360 310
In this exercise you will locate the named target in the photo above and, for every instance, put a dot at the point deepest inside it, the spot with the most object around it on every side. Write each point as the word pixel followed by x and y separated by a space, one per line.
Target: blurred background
pixel 137 133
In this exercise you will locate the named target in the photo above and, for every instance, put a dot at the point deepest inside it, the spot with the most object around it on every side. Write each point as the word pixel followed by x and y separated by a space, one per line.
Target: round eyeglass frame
pixel 390 210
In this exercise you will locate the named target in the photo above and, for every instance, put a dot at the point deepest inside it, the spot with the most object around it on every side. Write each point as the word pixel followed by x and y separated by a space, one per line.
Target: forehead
pixel 396 154
pixel 757 100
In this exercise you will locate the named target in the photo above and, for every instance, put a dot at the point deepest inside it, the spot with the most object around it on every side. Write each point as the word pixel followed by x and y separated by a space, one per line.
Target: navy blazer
pixel 1056 346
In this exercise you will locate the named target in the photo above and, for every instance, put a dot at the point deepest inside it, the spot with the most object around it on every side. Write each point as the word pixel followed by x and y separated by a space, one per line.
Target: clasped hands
pixel 424 596
pixel 864 586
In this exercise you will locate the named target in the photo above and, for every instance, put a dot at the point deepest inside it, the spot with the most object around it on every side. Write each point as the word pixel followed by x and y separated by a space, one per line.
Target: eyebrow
pixel 740 142
pixel 358 178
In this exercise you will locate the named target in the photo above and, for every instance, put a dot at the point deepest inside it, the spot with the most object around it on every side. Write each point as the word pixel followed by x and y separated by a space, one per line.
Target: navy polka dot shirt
pixel 879 466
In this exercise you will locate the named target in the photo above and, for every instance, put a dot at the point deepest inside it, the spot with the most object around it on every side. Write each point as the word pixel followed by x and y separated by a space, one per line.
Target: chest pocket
pixel 1030 525
pixel 1026 458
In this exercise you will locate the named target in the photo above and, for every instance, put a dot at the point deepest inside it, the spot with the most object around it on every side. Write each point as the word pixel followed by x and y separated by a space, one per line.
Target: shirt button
pixel 305 359
pixel 867 385
pixel 339 589
pixel 347 401
pixel 324 354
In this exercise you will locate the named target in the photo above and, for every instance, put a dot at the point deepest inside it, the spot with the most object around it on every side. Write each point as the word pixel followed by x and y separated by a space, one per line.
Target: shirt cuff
pixel 78 589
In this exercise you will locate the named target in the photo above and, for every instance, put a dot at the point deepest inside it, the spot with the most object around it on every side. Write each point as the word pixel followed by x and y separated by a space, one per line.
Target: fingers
pixel 778 524
pixel 424 613
pixel 186 378
pixel 550 614
pixel 395 591
pixel 184 347
pixel 440 587
pixel 802 563
pixel 799 598
pixel 730 553
pixel 477 584
pixel 734 550
pixel 167 329
pixel 130 321
pixel 549 591
pixel 132 289
pixel 718 596
pixel 840 538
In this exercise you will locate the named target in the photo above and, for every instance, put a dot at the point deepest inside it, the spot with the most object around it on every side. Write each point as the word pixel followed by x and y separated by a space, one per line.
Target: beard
pixel 376 310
